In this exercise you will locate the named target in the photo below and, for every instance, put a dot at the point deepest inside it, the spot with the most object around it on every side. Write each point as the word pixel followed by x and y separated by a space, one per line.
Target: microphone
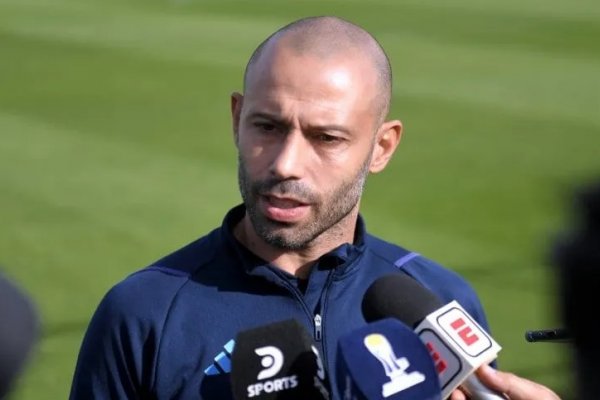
pixel 277 361
pixel 558 335
pixel 385 360
pixel 457 344
pixel 18 333
pixel 575 257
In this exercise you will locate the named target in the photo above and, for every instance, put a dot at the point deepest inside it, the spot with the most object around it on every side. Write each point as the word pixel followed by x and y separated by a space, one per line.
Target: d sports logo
pixel 271 359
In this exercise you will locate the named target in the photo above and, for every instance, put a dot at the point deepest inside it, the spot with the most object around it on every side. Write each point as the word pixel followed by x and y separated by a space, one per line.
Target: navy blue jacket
pixel 164 332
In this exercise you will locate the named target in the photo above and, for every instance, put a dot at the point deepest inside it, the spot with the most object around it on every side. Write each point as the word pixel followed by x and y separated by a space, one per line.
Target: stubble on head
pixel 326 37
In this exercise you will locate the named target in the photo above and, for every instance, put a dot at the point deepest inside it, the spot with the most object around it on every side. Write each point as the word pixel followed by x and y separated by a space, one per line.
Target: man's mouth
pixel 284 202
pixel 284 209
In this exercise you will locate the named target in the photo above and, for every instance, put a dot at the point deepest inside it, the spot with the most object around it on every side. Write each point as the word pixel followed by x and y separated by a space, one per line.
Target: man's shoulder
pixel 144 295
pixel 149 291
pixel 447 284
pixel 120 348
pixel 432 274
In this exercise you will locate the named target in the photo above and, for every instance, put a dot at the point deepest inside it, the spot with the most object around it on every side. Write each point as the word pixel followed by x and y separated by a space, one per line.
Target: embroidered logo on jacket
pixel 222 362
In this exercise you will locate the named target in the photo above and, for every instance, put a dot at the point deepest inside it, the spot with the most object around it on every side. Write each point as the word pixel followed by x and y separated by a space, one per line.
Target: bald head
pixel 326 38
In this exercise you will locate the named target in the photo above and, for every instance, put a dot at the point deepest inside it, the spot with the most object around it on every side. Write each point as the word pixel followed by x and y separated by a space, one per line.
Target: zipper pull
pixel 318 330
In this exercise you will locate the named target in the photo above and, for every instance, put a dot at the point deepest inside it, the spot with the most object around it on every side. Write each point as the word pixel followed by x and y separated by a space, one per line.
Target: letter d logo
pixel 272 361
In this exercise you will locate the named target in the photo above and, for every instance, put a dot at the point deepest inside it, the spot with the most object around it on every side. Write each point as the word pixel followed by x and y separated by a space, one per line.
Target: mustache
pixel 285 188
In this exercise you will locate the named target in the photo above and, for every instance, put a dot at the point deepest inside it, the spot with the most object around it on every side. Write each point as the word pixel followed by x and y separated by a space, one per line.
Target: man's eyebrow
pixel 329 128
pixel 314 127
pixel 267 116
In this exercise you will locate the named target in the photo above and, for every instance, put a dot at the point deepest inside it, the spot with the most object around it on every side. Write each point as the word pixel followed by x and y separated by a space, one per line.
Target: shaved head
pixel 327 37
pixel 309 128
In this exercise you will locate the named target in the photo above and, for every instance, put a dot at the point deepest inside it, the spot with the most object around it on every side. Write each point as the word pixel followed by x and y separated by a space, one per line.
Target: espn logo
pixel 465 332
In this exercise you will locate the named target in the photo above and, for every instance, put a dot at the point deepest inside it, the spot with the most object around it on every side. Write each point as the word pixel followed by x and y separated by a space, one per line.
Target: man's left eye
pixel 323 137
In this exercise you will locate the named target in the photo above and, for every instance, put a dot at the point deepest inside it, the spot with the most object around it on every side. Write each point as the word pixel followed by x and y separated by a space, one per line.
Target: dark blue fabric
pixel 157 331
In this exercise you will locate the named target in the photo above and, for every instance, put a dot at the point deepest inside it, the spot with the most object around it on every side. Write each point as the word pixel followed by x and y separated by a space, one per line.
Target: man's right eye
pixel 265 126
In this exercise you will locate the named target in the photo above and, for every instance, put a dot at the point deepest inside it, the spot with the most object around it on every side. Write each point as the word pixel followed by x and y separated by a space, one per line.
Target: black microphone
pixel 575 255
pixel 558 335
pixel 277 361
pixel 456 342
pixel 18 333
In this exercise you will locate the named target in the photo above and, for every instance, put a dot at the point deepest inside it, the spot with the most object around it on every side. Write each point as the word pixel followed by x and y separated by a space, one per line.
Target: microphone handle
pixel 478 391
pixel 560 335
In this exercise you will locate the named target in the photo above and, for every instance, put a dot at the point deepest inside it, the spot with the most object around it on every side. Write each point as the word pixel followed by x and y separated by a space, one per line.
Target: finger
pixel 458 395
pixel 516 388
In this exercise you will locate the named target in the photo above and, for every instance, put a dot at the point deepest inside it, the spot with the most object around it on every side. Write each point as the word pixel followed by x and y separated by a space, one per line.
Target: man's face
pixel 305 137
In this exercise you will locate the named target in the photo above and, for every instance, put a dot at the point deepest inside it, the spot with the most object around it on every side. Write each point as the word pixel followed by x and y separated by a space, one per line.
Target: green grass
pixel 116 147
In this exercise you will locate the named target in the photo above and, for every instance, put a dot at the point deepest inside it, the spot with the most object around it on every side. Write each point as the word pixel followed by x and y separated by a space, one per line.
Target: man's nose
pixel 291 157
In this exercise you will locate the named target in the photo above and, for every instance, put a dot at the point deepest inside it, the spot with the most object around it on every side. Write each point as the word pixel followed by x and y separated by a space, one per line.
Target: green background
pixel 116 147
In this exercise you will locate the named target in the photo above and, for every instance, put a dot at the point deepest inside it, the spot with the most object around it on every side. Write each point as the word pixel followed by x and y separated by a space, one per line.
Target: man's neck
pixel 296 262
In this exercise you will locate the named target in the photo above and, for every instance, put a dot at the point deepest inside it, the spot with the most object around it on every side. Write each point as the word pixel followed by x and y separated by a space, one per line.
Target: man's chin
pixel 280 234
pixel 280 239
pixel 286 245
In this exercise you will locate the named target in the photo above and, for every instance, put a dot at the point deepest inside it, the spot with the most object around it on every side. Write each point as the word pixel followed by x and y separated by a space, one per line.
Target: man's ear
pixel 386 140
pixel 237 99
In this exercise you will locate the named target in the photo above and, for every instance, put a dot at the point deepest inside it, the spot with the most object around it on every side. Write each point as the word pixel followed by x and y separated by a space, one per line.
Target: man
pixel 309 127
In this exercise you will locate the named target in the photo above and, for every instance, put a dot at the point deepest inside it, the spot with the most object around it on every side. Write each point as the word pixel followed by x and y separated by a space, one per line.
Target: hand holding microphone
pixel 513 387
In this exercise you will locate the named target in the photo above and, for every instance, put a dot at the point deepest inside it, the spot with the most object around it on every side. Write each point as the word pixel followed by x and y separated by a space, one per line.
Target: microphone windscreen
pixel 398 296
pixel 385 360
pixel 277 361
pixel 18 332
pixel 456 342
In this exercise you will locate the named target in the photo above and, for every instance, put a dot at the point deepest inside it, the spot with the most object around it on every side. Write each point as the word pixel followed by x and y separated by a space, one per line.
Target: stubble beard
pixel 328 209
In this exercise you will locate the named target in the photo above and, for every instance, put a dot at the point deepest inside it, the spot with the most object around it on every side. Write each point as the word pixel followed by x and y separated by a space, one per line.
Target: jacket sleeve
pixel 118 354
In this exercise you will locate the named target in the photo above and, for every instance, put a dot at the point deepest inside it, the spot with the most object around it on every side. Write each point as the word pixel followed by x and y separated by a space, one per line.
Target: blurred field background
pixel 116 147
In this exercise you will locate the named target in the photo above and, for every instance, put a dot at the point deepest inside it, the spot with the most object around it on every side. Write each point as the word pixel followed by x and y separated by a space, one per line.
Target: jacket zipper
pixel 296 293
pixel 319 321
pixel 318 327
